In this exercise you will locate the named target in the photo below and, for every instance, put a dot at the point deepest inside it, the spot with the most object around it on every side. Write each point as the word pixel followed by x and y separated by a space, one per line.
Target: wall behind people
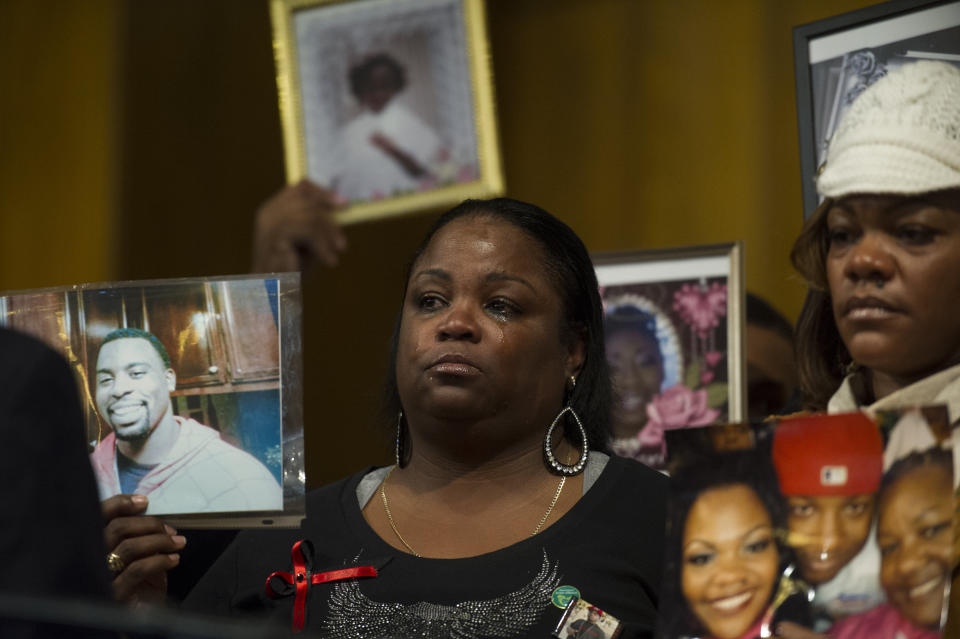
pixel 58 172
pixel 642 124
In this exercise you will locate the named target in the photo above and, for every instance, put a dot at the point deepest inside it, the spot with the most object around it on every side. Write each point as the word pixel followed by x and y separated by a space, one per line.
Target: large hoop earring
pixel 400 452
pixel 552 462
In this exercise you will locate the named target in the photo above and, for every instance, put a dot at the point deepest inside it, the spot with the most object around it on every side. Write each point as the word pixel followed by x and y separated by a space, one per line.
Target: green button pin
pixel 562 596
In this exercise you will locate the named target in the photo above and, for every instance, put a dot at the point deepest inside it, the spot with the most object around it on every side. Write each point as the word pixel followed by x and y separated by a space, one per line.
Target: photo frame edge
pixel 485 112
pixel 736 334
pixel 417 203
pixel 653 254
pixel 288 89
pixel 804 106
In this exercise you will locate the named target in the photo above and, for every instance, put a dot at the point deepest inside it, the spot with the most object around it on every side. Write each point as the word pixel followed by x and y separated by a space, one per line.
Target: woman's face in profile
pixel 914 533
pixel 893 266
pixel 637 370
pixel 729 561
pixel 480 329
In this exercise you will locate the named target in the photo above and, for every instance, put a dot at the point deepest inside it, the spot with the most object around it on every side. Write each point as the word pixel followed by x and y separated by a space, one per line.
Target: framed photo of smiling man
pixel 191 389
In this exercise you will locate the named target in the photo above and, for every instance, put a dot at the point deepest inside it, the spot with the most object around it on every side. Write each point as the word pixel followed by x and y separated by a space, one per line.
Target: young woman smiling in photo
pixel 914 520
pixel 725 560
pixel 636 367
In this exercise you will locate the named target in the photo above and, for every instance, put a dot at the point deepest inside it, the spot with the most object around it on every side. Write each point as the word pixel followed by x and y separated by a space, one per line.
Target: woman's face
pixel 480 333
pixel 827 532
pixel 893 268
pixel 380 87
pixel 914 532
pixel 637 370
pixel 729 560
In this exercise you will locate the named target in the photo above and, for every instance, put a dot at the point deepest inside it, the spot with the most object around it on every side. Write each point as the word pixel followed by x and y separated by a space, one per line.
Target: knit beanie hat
pixel 824 455
pixel 901 135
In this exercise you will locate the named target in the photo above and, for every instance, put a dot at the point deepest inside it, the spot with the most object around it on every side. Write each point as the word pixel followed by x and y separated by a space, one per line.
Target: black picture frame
pixel 878 35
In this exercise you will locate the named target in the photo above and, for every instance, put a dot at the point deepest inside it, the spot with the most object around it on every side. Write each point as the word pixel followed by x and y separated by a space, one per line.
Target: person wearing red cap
pixel 829 469
pixel 588 628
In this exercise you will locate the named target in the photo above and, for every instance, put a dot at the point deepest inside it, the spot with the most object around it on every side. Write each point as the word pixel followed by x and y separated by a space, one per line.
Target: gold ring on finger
pixel 115 564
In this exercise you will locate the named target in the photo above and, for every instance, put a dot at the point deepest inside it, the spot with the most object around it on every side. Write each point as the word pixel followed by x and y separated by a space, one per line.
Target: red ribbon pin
pixel 300 581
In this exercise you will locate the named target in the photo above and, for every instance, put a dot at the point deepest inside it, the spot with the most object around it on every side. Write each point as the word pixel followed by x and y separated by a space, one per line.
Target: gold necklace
pixel 386 507
pixel 393 524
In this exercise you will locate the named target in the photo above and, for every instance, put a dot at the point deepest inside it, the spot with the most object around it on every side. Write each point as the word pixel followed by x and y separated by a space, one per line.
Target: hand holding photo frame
pixel 674 337
pixel 192 390
pixel 388 103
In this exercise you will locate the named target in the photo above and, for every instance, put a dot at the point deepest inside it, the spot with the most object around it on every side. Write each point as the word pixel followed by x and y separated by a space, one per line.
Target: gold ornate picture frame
pixel 389 103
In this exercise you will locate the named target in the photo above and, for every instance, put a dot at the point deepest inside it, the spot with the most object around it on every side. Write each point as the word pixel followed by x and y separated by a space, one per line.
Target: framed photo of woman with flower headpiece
pixel 388 103
pixel 674 327
pixel 837 58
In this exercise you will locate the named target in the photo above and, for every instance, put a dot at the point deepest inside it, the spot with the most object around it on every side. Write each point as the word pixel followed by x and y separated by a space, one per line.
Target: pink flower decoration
pixel 706 376
pixel 679 407
pixel 651 435
pixel 712 357
pixel 701 309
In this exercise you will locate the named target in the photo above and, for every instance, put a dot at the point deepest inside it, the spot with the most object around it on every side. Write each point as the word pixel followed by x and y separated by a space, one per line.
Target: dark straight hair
pixel 570 268
pixel 819 350
pixel 138 333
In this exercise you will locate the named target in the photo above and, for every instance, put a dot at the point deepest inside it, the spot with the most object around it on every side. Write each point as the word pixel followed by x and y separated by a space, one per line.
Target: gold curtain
pixel 58 171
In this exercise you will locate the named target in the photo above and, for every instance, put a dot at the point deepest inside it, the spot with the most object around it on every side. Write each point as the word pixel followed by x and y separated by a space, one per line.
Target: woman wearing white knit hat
pixel 880 327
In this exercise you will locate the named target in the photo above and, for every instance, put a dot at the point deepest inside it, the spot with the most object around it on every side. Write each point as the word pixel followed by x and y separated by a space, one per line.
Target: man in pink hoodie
pixel 184 466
